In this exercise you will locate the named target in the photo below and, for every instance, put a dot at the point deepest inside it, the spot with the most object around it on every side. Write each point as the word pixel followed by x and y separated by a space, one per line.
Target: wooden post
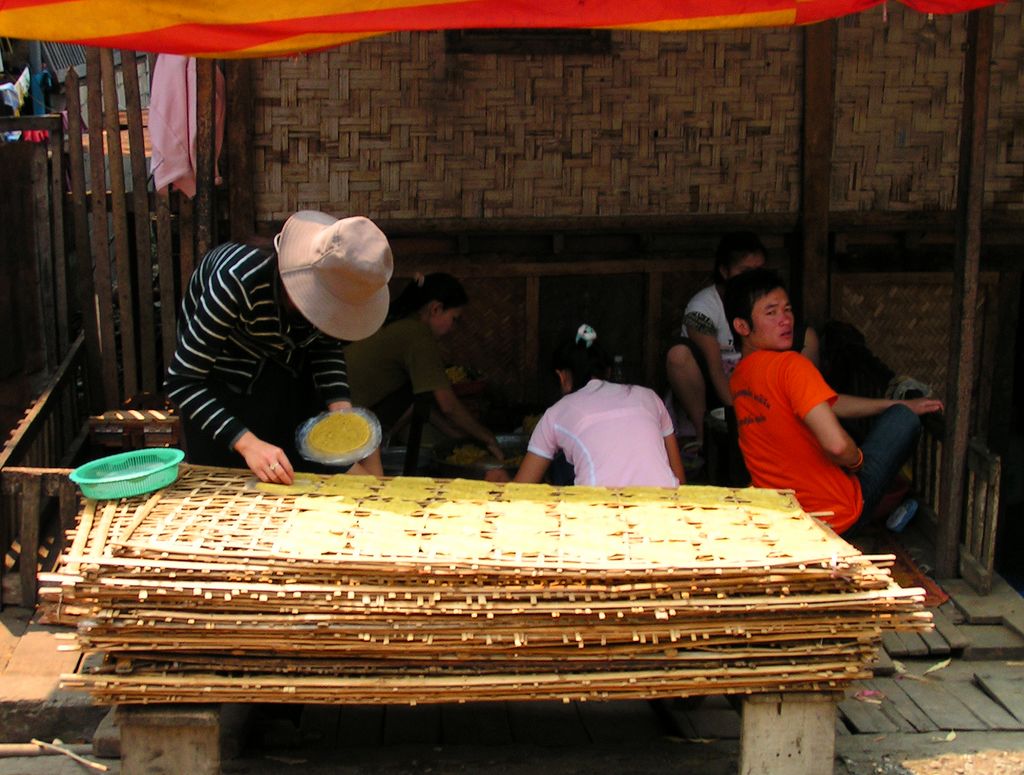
pixel 819 106
pixel 970 198
pixel 169 739
pixel 653 360
pixel 205 154
pixel 241 202
pixel 788 734
pixel 531 346
pixel 165 260
pixel 83 254
pixel 43 258
pixel 60 264
pixel 28 502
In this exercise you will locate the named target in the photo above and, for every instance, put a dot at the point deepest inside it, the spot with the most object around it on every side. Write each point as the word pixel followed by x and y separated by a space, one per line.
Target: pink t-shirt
pixel 613 435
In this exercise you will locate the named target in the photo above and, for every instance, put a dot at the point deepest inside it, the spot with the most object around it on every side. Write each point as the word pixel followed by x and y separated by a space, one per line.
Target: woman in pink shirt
pixel 613 435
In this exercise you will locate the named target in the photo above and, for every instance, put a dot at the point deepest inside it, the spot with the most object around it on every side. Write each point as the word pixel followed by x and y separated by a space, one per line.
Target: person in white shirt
pixel 700 364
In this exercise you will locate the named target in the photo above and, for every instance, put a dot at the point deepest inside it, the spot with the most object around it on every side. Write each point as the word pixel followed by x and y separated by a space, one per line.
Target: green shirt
pixel 401 355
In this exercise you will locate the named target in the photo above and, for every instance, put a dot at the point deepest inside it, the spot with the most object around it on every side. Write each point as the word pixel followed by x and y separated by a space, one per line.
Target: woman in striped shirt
pixel 261 337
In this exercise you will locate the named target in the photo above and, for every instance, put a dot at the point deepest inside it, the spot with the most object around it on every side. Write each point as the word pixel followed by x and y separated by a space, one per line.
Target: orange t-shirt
pixel 772 393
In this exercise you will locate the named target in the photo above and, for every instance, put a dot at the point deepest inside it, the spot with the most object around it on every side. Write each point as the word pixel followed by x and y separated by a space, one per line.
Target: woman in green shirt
pixel 402 360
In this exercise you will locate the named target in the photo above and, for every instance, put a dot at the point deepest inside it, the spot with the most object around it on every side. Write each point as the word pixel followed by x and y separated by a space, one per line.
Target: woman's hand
pixel 268 462
pixel 497 475
pixel 495 449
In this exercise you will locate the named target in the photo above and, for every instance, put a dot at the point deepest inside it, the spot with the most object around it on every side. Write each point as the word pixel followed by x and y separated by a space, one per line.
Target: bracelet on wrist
pixel 858 464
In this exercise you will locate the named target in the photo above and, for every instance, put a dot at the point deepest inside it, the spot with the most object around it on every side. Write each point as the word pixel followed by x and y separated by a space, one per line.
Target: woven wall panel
pixel 489 337
pixel 898 102
pixel 666 124
pixel 1004 165
pixel 906 319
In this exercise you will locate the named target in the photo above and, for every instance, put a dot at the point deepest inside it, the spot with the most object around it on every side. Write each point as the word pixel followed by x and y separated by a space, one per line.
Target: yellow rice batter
pixel 337 434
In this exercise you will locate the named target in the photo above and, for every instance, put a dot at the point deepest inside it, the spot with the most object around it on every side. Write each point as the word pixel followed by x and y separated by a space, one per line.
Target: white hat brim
pixel 336 317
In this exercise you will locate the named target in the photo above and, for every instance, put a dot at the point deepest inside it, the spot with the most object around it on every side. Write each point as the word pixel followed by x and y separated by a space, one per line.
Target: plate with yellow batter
pixel 339 438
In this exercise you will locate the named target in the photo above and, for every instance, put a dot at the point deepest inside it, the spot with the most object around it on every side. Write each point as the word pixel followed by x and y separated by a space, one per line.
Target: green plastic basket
pixel 128 473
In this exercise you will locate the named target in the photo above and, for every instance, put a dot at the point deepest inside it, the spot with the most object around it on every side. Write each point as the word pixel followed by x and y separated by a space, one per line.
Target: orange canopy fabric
pixel 253 28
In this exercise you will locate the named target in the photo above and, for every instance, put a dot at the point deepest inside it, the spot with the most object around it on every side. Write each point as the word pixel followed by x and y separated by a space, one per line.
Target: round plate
pixel 340 458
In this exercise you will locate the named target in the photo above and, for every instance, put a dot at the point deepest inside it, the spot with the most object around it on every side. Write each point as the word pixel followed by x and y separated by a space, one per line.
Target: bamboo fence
pixel 414 590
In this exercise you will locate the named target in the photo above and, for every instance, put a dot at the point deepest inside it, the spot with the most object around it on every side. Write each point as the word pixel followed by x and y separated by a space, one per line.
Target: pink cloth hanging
pixel 172 122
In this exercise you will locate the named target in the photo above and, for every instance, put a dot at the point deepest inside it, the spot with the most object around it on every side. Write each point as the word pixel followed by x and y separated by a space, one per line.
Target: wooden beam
pixel 241 202
pixel 970 198
pixel 653 359
pixel 819 106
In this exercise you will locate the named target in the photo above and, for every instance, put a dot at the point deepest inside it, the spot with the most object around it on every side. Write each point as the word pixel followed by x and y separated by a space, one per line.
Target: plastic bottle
pixel 617 374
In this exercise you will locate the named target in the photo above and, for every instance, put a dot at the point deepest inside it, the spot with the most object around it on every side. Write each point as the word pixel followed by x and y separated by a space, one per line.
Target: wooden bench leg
pixel 169 739
pixel 30 507
pixel 788 734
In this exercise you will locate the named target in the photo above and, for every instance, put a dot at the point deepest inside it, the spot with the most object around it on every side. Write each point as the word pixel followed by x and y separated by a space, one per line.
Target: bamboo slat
pixel 165 260
pixel 352 589
pixel 119 219
pixel 83 254
pixel 140 206
pixel 100 236
pixel 56 215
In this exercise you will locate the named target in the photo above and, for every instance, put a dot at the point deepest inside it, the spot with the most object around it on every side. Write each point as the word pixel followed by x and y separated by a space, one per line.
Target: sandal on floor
pixel 902 515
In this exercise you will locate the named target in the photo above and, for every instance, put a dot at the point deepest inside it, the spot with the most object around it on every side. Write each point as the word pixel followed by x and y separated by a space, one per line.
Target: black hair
pixel 582 362
pixel 436 286
pixel 743 291
pixel 733 248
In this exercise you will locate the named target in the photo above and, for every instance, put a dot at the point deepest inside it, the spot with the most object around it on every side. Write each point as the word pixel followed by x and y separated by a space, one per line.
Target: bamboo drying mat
pixel 350 589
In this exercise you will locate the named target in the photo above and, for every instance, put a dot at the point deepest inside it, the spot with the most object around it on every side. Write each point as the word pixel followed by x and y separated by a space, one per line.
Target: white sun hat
pixel 336 272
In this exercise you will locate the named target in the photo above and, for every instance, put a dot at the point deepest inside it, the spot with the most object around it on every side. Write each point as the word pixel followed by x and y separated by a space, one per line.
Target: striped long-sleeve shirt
pixel 233 320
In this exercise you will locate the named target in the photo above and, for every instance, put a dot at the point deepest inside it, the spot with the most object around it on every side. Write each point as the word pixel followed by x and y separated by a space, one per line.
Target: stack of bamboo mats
pixel 411 590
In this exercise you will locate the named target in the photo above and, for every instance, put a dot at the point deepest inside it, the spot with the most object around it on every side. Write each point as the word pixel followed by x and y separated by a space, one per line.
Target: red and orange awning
pixel 250 28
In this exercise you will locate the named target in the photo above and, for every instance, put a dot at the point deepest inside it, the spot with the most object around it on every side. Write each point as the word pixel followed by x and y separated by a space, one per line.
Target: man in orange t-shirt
pixel 788 416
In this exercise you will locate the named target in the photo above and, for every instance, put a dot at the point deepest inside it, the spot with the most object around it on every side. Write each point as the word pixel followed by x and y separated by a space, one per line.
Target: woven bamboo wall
pixel 905 318
pixel 1004 166
pixel 704 123
pixel 489 335
pixel 898 100
pixel 666 124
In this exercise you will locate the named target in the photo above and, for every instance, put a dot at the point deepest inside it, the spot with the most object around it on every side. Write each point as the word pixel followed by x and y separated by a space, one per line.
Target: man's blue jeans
pixel 889 444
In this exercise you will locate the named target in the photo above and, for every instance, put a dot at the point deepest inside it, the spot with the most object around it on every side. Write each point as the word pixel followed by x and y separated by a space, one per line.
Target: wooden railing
pixel 981 517
pixel 927 466
pixel 34 471
pixel 981 500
